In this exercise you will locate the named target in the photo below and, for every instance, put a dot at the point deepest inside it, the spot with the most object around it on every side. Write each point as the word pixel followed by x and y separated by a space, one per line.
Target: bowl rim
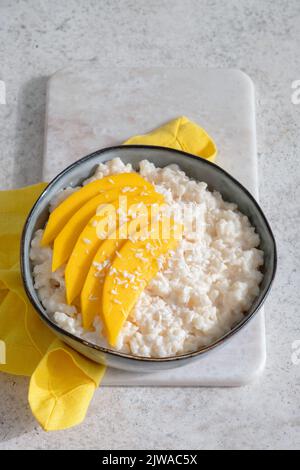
pixel 199 352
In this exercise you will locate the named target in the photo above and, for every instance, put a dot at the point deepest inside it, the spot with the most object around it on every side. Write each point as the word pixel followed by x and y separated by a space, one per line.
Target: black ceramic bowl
pixel 196 168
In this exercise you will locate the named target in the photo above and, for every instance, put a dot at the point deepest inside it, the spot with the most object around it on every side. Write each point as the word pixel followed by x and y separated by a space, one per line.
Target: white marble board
pixel 90 107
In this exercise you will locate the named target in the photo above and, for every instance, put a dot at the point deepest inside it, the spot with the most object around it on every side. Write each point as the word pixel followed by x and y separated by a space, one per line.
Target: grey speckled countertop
pixel 262 38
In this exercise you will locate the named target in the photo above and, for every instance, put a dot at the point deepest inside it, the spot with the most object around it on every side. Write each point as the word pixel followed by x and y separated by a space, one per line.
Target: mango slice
pixel 129 274
pixel 59 217
pixel 91 293
pixel 67 238
pixel 89 241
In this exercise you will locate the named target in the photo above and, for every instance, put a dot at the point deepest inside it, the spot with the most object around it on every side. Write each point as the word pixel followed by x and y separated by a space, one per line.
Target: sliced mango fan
pixel 107 273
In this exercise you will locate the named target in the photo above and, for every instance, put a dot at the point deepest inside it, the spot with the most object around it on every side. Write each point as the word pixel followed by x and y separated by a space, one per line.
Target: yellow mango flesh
pixel 67 238
pixel 127 278
pixel 91 293
pixel 60 216
pixel 88 242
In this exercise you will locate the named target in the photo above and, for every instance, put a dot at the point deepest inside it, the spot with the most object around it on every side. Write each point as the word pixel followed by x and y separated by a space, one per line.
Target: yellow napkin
pixel 62 387
pixel 180 134
pixel 62 381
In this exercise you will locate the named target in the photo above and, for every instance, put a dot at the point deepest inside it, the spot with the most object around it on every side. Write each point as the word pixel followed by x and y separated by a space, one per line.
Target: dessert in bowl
pixel 145 304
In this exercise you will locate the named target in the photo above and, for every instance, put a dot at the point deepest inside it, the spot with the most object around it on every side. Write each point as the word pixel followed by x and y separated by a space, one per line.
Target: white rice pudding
pixel 201 291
